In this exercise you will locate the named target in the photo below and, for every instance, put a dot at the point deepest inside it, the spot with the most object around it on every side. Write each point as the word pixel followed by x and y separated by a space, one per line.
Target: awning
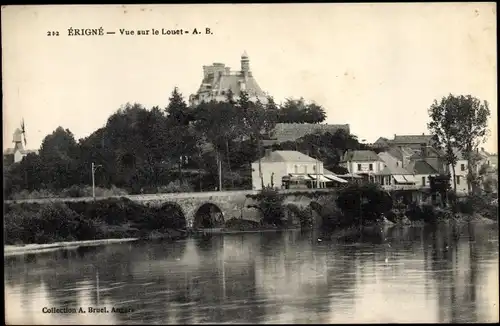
pixel 321 178
pixel 300 176
pixel 410 178
pixel 335 178
pixel 349 175
pixel 400 179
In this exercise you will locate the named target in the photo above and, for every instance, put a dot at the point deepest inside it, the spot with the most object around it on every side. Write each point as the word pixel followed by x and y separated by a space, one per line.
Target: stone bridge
pixel 209 209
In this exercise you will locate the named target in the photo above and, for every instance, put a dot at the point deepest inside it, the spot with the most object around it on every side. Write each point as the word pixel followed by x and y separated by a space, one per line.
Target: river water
pixel 433 274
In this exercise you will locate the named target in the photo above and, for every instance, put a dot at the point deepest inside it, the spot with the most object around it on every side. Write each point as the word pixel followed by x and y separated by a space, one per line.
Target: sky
pixel 377 67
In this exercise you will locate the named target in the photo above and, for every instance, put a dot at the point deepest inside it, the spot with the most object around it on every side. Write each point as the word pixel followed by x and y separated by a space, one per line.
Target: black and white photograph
pixel 292 163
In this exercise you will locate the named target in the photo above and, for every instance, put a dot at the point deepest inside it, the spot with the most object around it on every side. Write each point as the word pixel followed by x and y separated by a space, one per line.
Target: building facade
pixel 362 162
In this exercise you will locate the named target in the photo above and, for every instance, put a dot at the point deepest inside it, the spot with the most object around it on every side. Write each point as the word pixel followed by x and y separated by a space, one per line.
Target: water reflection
pixel 436 274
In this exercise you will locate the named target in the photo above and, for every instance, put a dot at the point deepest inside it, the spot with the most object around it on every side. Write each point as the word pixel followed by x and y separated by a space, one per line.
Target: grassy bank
pixel 79 221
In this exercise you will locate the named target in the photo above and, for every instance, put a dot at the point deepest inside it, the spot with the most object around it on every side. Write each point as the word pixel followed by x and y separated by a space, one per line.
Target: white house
pixel 362 162
pixel 277 166
pixel 462 169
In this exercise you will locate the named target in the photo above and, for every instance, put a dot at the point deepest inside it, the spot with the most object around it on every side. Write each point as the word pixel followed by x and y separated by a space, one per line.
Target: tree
pixel 472 118
pixel 444 128
pixel 258 121
pixel 297 111
pixel 181 141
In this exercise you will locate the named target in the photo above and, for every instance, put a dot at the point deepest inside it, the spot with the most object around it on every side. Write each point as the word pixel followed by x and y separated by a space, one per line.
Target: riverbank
pixel 10 250
pixel 117 218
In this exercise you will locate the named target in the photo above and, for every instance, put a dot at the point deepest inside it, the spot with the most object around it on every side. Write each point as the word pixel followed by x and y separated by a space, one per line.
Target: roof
pixel 386 157
pixel 460 155
pixel 361 156
pixel 431 152
pixel 400 151
pixel 421 167
pixel 233 83
pixel 286 156
pixel 284 132
pixel 394 170
pixel 411 139
pixel 219 78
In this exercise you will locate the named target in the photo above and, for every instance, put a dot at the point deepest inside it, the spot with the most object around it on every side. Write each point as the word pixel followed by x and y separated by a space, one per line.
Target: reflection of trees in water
pixel 304 276
pixel 453 253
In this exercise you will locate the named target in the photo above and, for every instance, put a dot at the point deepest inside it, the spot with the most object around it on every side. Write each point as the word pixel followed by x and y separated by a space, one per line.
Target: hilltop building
pixel 219 79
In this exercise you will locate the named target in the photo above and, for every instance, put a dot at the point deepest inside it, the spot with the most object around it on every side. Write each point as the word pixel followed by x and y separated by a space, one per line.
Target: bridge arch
pixel 174 216
pixel 316 212
pixel 208 215
pixel 293 214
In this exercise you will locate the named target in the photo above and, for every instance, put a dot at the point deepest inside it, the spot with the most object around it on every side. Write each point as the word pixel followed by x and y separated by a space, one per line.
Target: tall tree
pixel 181 141
pixel 298 111
pixel 445 129
pixel 473 120
pixel 258 122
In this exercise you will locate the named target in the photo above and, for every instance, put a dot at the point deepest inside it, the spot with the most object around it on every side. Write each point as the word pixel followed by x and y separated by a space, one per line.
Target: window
pixel 370 167
pixel 305 169
pixel 423 181
pixel 397 163
pixel 458 179
pixel 314 167
pixel 462 167
pixel 359 167
pixel 296 169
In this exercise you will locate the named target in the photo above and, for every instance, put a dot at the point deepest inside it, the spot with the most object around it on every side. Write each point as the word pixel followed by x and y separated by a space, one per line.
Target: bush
pixel 51 223
pixel 71 192
pixel 366 201
pixel 270 204
pixel 176 186
pixel 109 218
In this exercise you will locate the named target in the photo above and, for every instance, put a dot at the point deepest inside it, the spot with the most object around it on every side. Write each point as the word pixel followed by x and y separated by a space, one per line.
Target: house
pixel 395 178
pixel 459 174
pixel 362 162
pixel 279 166
pixel 422 172
pixel 16 154
pixel 434 157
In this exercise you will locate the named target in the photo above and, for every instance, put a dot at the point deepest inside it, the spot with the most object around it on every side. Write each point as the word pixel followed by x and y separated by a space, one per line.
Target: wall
pixel 18 156
pixel 353 167
pixel 418 178
pixel 462 176
pixel 268 168
pixel 304 167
